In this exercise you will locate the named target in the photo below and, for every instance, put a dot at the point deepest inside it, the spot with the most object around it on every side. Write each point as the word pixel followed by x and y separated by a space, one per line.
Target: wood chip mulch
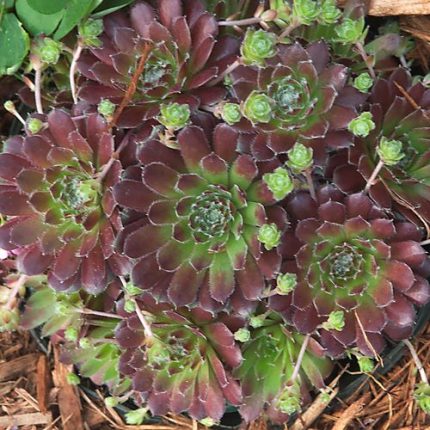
pixel 35 395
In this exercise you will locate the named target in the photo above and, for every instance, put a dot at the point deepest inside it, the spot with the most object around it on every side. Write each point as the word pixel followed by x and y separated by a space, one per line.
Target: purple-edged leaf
pixel 254 214
pixel 146 273
pixel 408 251
pixel 225 142
pixel 400 274
pixel 11 165
pixel 221 277
pixel 33 262
pixel 401 312
pixel 243 171
pixel 250 280
pixel 181 33
pixel 184 285
pixel 27 231
pixel 14 204
pixel 146 240
pixel 259 192
pixel 67 262
pixel 134 195
pixel 237 250
pixel 371 317
pixel 419 293
pixel 160 179
pixel 60 126
pixel 93 271
pixel 332 212
pixel 128 338
pixel 383 294
pixel 200 259
pixel 29 180
pixel 224 344
pixel 193 146
pixel 162 212
pixel 173 254
pixel 214 169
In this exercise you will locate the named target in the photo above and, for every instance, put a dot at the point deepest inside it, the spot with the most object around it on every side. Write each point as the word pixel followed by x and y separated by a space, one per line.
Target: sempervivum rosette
pixel 202 211
pixel 184 364
pixel 298 93
pixel 269 359
pixel 61 213
pixel 184 56
pixel 399 111
pixel 359 273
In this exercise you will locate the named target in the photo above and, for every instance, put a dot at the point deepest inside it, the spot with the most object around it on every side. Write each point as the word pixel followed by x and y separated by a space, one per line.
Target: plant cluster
pixel 211 202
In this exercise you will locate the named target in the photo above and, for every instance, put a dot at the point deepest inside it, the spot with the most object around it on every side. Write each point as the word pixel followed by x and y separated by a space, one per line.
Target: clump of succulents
pixel 396 146
pixel 216 201
pixel 271 375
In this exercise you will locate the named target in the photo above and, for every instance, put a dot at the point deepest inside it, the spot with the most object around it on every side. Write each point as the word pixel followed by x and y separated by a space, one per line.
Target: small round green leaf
pixel 34 22
pixel 47 7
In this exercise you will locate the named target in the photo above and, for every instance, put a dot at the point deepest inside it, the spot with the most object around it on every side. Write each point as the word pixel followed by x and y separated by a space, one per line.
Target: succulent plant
pixel 269 359
pixel 61 214
pixel 400 139
pixel 295 96
pixel 359 273
pixel 184 54
pixel 215 200
pixel 201 211
pixel 184 365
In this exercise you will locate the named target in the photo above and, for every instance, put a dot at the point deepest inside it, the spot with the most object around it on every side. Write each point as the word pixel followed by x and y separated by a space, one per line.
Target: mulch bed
pixel 34 395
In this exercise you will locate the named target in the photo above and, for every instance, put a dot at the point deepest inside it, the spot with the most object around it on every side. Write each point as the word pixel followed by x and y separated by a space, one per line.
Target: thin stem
pixel 375 173
pixel 425 242
pixel 76 54
pixel 227 71
pixel 417 360
pixel 300 358
pixel 98 313
pixel 310 181
pixel 37 90
pixel 146 326
pixel 132 87
pixel 288 30
pixel 366 59
pixel 10 107
pixel 240 22
pixel 15 287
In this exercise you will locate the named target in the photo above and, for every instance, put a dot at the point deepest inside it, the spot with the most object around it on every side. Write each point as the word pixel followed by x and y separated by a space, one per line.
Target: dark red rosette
pixel 185 55
pixel 62 217
pixel 349 256
pixel 197 213
pixel 400 112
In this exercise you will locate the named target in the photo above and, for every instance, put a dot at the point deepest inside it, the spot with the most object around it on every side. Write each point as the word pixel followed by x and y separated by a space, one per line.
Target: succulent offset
pixel 215 200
